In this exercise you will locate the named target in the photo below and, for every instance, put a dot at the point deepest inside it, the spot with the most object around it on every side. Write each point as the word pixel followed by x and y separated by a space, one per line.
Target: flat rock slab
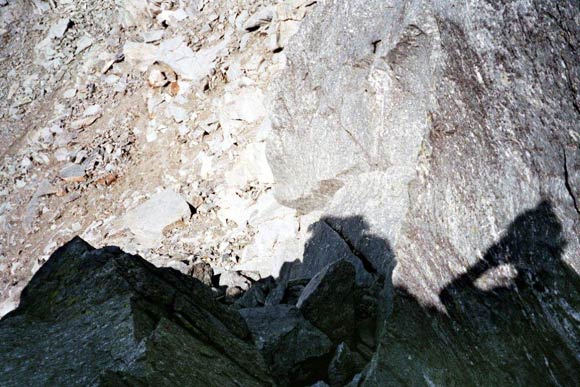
pixel 73 173
pixel 148 220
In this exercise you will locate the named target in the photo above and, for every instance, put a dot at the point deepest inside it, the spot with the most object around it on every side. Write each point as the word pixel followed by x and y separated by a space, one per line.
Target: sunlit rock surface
pixel 447 132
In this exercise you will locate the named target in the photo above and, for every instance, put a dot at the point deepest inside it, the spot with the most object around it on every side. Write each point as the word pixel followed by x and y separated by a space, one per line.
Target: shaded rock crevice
pixel 367 264
pixel 568 184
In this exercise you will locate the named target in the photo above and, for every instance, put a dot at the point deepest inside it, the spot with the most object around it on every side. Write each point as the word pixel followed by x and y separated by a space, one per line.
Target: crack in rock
pixel 567 183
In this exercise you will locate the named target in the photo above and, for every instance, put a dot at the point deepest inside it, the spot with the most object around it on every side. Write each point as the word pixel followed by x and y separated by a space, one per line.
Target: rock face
pixel 295 350
pixel 103 317
pixel 444 135
pixel 344 365
pixel 523 331
pixel 424 222
pixel 328 301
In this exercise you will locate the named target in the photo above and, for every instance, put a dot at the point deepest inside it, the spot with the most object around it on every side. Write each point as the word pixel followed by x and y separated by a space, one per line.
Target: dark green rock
pixel 103 317
pixel 328 301
pixel 344 366
pixel 295 350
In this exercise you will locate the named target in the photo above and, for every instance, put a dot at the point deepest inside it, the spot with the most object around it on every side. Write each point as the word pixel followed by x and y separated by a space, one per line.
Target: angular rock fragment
pixel 69 93
pixel 148 220
pixel 203 272
pixel 257 294
pixel 73 173
pixel 82 123
pixel 156 78
pixel 58 30
pixel 328 301
pixel 232 294
pixel 83 43
pixel 152 36
pixel 344 366
pixel 325 247
pixel 187 64
pixel 261 18
pixel 103 317
pixel 295 351
pixel 93 110
pixel 233 278
pixel 45 188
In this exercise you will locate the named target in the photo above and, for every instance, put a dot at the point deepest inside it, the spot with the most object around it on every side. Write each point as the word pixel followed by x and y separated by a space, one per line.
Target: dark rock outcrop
pixel 257 294
pixel 328 301
pixel 103 317
pixel 524 331
pixel 443 135
pixel 295 350
pixel 344 366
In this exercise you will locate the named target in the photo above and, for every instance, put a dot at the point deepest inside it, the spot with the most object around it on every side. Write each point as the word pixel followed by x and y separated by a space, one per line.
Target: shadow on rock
pixel 333 292
pixel 331 319
pixel 511 319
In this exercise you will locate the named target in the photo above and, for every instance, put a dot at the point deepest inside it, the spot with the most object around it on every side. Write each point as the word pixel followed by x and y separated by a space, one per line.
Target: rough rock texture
pixel 447 131
pixel 328 301
pixel 103 317
pixel 295 350
pixel 524 331
pixel 434 145
pixel 116 102
pixel 344 366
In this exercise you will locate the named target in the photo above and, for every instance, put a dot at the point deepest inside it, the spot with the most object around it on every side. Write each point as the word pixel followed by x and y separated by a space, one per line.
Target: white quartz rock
pixel 148 220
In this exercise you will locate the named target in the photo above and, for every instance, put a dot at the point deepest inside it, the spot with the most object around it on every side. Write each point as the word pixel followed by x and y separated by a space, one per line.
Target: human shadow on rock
pixel 511 319
pixel 335 288
pixel 343 238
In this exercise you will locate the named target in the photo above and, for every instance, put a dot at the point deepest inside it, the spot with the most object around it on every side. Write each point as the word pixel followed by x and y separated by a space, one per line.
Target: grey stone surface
pixel 73 173
pixel 447 129
pixel 371 114
pixel 103 317
pixel 233 278
pixel 524 332
pixel 261 18
pixel 295 350
pixel 256 296
pixel 148 220
pixel 328 245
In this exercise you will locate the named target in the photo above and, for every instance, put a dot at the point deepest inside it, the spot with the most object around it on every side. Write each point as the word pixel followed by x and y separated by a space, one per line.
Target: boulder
pixel 234 279
pixel 295 350
pixel 344 366
pixel 328 301
pixel 261 18
pixel 102 317
pixel 325 246
pixel 257 294
pixel 148 220
pixel 203 272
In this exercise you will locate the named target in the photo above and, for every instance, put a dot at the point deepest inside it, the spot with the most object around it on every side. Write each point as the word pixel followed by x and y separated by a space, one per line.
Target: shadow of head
pixel 520 331
pixel 343 238
pixel 532 247
pixel 533 242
